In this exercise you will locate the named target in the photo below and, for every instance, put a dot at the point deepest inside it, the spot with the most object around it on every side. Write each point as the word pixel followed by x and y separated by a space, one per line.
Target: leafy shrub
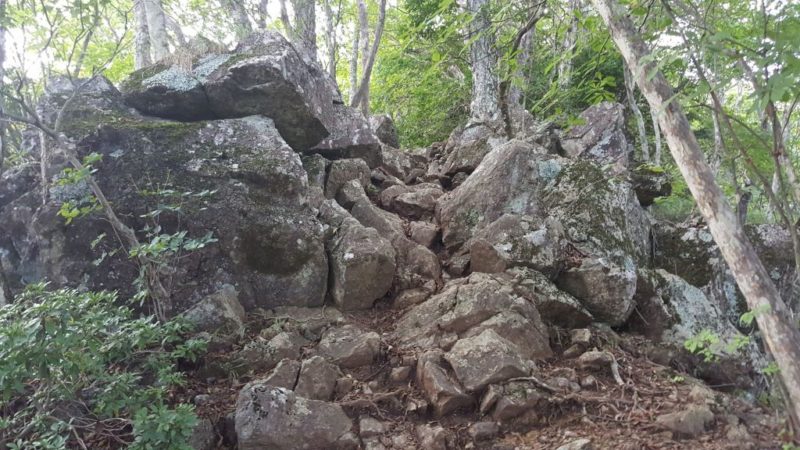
pixel 76 366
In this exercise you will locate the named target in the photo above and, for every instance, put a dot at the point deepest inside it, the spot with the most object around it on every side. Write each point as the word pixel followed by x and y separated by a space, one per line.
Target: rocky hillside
pixel 485 292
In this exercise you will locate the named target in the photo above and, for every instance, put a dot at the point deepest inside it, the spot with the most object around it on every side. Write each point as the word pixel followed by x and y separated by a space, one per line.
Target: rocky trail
pixel 487 292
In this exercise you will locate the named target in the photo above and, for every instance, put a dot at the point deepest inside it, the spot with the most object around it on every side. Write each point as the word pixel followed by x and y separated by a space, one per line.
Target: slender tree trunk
pixel 330 39
pixel 6 296
pixel 637 113
pixel 485 104
pixel 305 29
pixel 657 138
pixel 174 27
pixel 716 158
pixel 263 14
pixel 241 22
pixel 520 77
pixel 363 30
pixel 361 96
pixel 3 142
pixel 781 336
pixel 86 40
pixel 141 52
pixel 287 24
pixel 354 62
pixel 44 166
pixel 157 29
pixel 568 48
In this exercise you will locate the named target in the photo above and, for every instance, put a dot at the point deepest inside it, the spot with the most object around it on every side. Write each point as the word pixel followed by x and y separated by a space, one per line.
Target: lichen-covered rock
pixel 466 147
pixel 512 400
pixel 650 182
pixel 317 379
pixel 554 305
pixel 260 355
pixel 601 138
pixel 219 312
pixel 416 266
pixel 350 136
pixel 485 359
pixel 362 266
pixel 349 347
pixel 343 170
pixel 276 418
pixel 383 127
pixel 469 306
pixel 605 289
pixel 509 180
pixel 688 423
pixel 514 240
pixel 445 394
pixel 235 179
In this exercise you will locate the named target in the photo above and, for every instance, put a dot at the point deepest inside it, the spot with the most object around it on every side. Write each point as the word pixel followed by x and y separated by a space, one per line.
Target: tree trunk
pixel 363 30
pixel 657 140
pixel 305 29
pixel 637 113
pixel 241 22
pixel 287 24
pixel 3 143
pixel 86 40
pixel 716 158
pixel 141 52
pixel 330 39
pixel 173 26
pixel 568 48
pixel 485 104
pixel 354 62
pixel 361 96
pixel 263 14
pixel 157 29
pixel 781 336
pixel 515 96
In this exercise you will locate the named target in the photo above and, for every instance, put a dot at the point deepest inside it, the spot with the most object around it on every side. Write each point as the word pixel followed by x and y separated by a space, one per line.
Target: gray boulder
pixel 236 179
pixel 343 170
pixel 362 266
pixel 317 379
pixel 601 138
pixel 276 418
pixel 219 312
pixel 383 127
pixel 349 347
pixel 485 359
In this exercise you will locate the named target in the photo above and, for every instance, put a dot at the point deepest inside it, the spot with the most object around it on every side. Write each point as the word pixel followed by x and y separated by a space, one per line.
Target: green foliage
pixel 72 363
pixel 704 344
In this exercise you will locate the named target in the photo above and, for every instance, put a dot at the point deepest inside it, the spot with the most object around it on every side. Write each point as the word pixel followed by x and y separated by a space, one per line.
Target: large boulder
pixel 263 75
pixel 465 149
pixel 277 418
pixel 236 179
pixel 469 306
pixel 689 251
pixel 601 136
pixel 507 181
pixel 362 266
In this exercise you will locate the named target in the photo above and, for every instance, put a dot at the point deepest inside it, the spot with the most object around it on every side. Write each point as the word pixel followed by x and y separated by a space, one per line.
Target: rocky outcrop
pixel 469 306
pixel 362 266
pixel 265 76
pixel 272 417
pixel 235 179
pixel 601 137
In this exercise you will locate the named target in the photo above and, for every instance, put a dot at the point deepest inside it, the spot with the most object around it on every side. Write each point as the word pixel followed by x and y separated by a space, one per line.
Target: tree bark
pixel 354 61
pixel 568 48
pixel 781 336
pixel 141 52
pixel 363 31
pixel 330 39
pixel 657 140
pixel 485 104
pixel 637 113
pixel 287 24
pixel 361 96
pixel 515 96
pixel 263 14
pixel 157 29
pixel 241 21
pixel 305 29
pixel 3 143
